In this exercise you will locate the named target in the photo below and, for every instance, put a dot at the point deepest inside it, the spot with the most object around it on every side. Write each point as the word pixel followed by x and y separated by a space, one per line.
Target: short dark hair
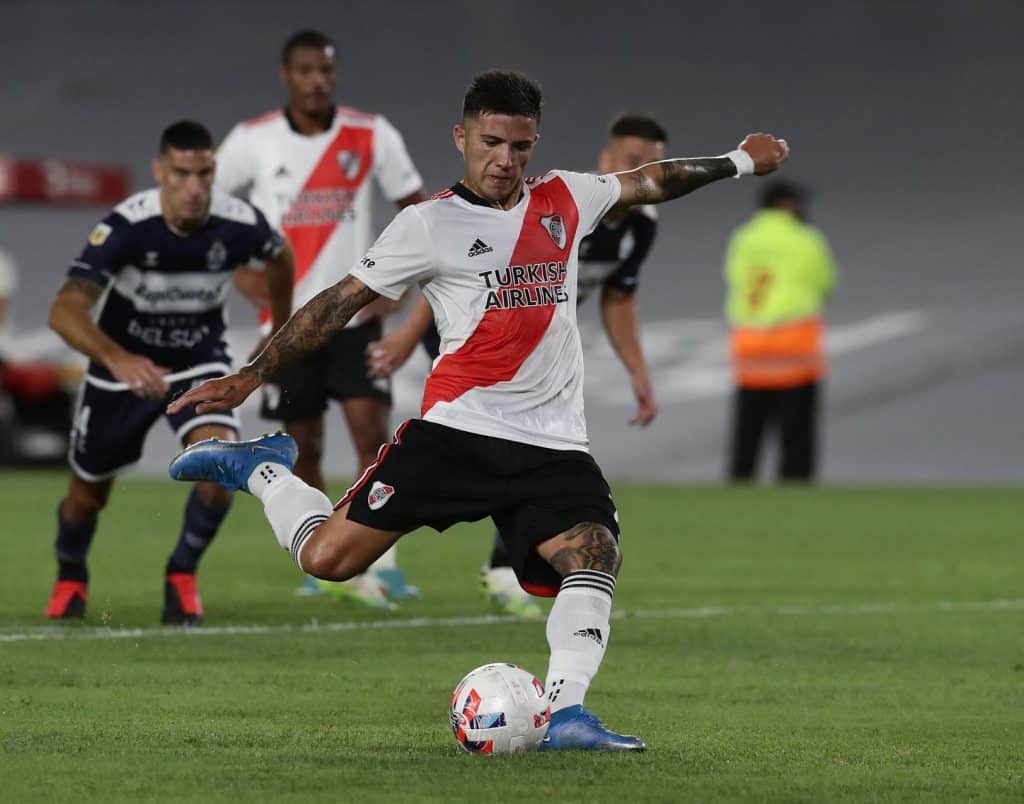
pixel 779 192
pixel 186 135
pixel 643 126
pixel 503 92
pixel 305 38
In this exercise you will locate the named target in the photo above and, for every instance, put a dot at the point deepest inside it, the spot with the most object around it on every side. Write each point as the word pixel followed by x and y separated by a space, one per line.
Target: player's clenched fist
pixel 766 151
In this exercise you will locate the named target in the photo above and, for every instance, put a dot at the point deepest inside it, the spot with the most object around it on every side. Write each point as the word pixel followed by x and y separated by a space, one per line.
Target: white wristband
pixel 744 162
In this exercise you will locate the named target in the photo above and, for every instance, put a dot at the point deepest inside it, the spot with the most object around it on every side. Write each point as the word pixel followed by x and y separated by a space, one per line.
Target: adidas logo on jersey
pixel 478 248
pixel 590 633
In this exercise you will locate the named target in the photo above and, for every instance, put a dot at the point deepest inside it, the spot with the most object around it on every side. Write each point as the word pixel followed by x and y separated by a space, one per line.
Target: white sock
pixel 294 509
pixel 385 562
pixel 578 631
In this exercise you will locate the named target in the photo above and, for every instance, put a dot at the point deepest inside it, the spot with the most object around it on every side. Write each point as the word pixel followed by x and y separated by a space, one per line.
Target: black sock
pixel 499 556
pixel 200 526
pixel 72 547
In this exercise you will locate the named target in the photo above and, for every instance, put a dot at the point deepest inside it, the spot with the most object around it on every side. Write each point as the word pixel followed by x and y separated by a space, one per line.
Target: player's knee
pixel 84 502
pixel 327 561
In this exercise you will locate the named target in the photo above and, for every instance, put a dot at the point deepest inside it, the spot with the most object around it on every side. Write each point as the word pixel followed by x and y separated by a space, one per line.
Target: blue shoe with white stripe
pixel 576 729
pixel 230 463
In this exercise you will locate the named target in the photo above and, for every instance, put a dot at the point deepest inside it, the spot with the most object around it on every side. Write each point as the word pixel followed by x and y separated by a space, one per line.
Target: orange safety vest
pixel 781 356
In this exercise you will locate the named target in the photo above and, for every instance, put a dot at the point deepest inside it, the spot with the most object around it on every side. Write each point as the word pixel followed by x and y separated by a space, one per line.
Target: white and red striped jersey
pixel 502 285
pixel 315 189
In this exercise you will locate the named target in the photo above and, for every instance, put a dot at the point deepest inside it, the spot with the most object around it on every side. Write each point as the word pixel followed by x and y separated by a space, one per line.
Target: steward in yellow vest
pixel 779 272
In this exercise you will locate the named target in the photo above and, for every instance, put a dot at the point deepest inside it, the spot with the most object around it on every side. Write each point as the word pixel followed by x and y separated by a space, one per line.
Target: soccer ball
pixel 499 709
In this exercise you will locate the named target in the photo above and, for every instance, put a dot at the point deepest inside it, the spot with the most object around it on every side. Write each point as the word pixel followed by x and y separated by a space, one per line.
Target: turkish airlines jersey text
pixel 502 285
pixel 315 188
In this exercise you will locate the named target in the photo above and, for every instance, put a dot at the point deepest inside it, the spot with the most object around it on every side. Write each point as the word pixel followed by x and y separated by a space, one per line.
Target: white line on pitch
pixel 59 633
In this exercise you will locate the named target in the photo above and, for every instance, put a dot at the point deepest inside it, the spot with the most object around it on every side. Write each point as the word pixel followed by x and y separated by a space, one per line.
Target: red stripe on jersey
pixel 326 198
pixel 440 195
pixel 505 338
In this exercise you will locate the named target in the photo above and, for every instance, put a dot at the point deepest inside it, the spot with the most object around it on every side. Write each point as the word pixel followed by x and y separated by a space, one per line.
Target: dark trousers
pixel 792 413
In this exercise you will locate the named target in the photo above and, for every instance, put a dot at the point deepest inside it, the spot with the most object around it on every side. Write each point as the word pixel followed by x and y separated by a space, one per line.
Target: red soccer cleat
pixel 67 600
pixel 182 605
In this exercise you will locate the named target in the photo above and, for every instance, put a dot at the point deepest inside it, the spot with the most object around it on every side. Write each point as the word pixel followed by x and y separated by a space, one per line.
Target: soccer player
pixel 160 266
pixel 502 432
pixel 308 167
pixel 609 259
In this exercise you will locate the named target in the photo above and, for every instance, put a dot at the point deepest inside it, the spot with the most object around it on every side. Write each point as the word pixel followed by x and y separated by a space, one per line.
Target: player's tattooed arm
pixel 311 326
pixel 662 181
pixel 585 546
pixel 307 330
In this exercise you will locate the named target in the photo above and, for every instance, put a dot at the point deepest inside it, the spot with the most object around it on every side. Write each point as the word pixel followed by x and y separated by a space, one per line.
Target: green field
pixel 770 645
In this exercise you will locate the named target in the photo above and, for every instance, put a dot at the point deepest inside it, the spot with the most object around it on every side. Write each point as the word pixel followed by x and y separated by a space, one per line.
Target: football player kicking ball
pixel 610 259
pixel 502 432
pixel 162 263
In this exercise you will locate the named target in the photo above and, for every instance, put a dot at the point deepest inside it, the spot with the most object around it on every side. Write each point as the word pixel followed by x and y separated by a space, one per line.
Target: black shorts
pixel 338 371
pixel 435 475
pixel 110 423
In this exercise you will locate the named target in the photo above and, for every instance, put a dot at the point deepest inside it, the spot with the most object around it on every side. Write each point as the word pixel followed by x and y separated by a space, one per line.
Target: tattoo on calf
pixel 586 546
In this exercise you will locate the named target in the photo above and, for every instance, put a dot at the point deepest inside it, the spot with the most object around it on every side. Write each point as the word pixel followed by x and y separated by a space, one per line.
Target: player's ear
pixel 157 167
pixel 459 135
pixel 604 161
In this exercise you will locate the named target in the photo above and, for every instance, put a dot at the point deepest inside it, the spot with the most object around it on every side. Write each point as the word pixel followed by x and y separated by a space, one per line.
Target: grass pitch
pixel 770 645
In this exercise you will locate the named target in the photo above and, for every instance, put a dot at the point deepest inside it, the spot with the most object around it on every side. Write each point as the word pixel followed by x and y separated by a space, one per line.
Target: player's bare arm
pixel 71 318
pixel 390 353
pixel 307 330
pixel 280 283
pixel 622 325
pixel 662 181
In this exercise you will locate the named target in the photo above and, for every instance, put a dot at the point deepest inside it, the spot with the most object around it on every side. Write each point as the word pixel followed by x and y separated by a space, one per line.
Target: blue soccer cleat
pixel 230 463
pixel 576 729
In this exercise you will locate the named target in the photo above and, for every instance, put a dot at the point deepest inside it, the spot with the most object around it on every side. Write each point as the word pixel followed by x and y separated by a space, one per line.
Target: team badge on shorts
pixel 555 226
pixel 379 494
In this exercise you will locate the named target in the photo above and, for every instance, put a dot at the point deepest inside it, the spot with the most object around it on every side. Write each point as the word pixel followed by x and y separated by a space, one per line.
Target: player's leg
pixel 578 567
pixel 77 517
pixel 309 436
pixel 205 511
pixel 366 406
pixel 587 557
pixel 750 414
pixel 798 426
pixel 108 430
pixel 321 540
pixel 500 585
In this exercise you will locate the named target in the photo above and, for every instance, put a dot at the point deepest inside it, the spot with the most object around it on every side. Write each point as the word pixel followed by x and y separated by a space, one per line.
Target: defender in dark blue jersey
pixel 610 261
pixel 159 267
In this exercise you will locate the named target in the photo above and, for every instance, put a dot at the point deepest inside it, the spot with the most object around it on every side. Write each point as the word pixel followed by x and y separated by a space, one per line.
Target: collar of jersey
pixel 292 126
pixel 467 195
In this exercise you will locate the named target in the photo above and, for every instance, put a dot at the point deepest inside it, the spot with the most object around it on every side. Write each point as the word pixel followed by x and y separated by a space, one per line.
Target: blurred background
pixel 903 118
